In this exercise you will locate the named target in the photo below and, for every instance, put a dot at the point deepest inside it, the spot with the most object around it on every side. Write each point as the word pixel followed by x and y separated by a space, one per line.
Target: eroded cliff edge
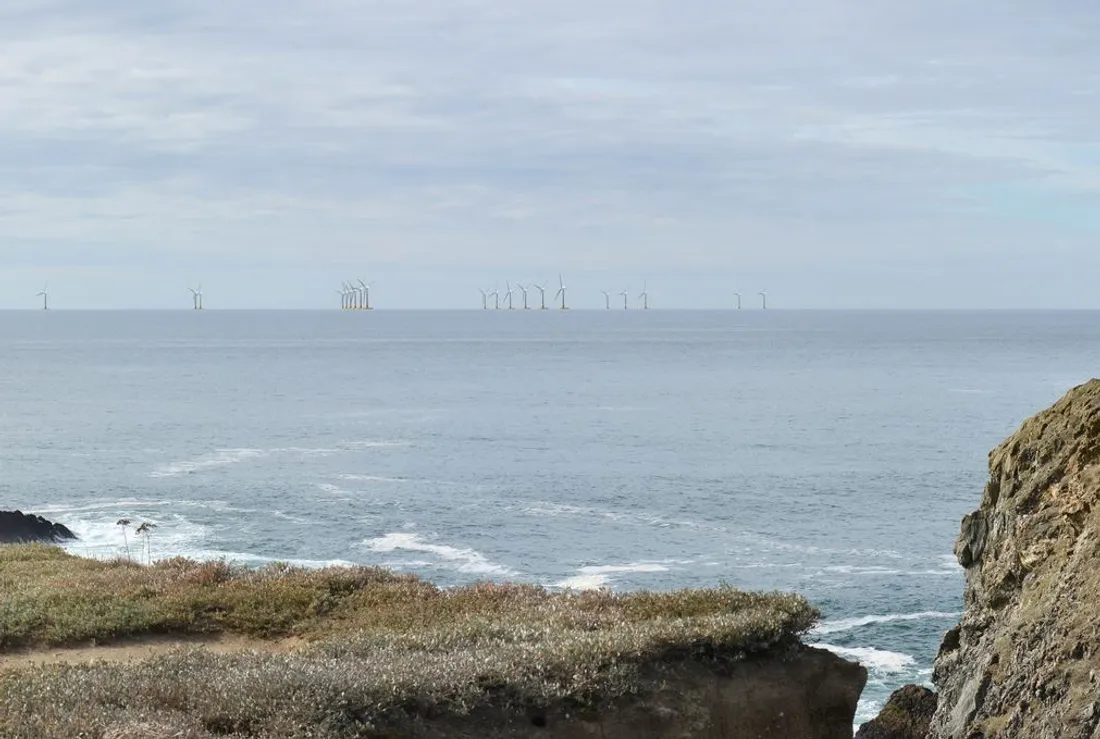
pixel 201 650
pixel 1025 658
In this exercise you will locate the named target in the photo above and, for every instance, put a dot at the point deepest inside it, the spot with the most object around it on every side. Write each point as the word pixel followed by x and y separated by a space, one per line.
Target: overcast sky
pixel 836 153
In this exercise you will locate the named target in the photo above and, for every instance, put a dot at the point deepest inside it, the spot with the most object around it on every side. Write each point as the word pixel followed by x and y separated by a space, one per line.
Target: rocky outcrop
pixel 906 715
pixel 1025 659
pixel 810 696
pixel 18 527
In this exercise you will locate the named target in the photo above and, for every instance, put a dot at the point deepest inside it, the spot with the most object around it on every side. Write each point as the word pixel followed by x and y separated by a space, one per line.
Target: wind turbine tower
pixel 624 294
pixel 524 291
pixel 738 296
pixel 763 300
pixel 508 295
pixel 561 291
pixel 496 298
pixel 542 293
pixel 365 287
pixel 45 295
pixel 484 298
pixel 645 296
pixel 606 299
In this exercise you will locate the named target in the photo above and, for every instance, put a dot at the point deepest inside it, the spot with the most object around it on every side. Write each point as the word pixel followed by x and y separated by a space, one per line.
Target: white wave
pixel 847 624
pixel 463 560
pixel 374 443
pixel 880 660
pixel 290 517
pixel 305 451
pixel 219 458
pixel 126 503
pixel 224 457
pixel 327 487
pixel 866 710
pixel 878 571
pixel 249 558
pixel 370 478
pixel 102 538
pixel 597 576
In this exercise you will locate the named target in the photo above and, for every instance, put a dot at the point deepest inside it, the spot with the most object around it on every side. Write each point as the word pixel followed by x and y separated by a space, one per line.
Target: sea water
pixel 831 453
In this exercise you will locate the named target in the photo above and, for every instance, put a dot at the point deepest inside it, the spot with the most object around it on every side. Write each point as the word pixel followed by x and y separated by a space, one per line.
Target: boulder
pixel 18 527
pixel 1025 659
pixel 906 715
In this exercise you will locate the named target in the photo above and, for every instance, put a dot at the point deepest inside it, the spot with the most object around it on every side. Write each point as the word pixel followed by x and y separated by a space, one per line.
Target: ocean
pixel 830 453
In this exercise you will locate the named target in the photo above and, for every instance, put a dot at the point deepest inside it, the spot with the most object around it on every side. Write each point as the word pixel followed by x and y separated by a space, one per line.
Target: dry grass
pixel 385 649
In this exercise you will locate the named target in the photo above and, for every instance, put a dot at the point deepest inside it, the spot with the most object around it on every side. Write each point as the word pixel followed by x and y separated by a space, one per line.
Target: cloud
pixel 792 143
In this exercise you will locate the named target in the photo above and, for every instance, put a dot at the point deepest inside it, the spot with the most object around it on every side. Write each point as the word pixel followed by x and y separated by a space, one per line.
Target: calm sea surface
pixel 831 453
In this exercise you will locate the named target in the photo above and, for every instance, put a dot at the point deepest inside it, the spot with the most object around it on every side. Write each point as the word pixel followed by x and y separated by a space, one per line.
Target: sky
pixel 838 154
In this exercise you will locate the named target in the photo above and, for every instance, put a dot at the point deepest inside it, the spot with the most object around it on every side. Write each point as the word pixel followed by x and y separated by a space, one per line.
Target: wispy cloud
pixel 837 152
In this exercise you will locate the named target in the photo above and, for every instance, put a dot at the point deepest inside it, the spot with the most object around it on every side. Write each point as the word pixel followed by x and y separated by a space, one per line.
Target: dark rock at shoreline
pixel 906 715
pixel 17 527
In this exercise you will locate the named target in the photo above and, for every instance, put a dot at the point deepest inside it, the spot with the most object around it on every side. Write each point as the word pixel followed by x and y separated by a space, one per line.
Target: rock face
pixel 906 715
pixel 18 527
pixel 812 695
pixel 1025 659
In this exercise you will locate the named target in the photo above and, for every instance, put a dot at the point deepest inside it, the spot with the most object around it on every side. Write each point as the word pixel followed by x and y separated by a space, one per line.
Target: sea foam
pixel 847 624
pixel 461 559
pixel 597 576
pixel 879 660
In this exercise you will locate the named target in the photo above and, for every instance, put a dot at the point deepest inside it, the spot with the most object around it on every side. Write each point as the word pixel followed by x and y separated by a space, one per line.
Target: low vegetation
pixel 380 650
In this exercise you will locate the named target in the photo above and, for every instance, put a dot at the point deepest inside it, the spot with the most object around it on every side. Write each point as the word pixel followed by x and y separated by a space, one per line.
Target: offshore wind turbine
pixel 624 294
pixel 763 299
pixel 542 293
pixel 45 295
pixel 484 298
pixel 496 298
pixel 645 295
pixel 606 299
pixel 196 297
pixel 561 291
pixel 508 294
pixel 524 291
pixel 738 296
pixel 365 287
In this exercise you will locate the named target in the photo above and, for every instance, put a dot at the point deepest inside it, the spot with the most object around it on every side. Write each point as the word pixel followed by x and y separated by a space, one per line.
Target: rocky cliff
pixel 906 715
pixel 18 527
pixel 811 695
pixel 1025 659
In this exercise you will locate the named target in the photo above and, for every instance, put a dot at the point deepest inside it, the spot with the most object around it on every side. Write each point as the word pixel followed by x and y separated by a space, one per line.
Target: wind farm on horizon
pixel 355 295
pixel 560 297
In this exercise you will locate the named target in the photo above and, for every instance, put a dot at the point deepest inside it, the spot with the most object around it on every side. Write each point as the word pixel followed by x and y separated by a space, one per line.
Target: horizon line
pixel 990 309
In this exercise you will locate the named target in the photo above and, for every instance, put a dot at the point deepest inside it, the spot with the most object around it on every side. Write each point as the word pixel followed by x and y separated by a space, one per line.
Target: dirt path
pixel 130 650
